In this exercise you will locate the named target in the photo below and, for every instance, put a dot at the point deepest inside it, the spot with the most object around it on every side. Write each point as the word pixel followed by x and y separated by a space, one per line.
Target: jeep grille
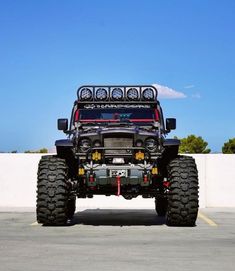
pixel 118 142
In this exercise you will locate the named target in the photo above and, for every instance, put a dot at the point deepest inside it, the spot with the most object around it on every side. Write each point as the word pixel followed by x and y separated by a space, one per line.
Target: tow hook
pixel 118 179
pixel 92 181
pixel 145 178
pixel 91 178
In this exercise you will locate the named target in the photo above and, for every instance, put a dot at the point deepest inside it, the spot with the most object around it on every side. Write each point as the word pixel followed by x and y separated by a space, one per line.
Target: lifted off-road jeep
pixel 117 145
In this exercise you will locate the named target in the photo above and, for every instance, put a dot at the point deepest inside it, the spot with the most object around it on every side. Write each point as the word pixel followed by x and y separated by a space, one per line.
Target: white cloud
pixel 168 93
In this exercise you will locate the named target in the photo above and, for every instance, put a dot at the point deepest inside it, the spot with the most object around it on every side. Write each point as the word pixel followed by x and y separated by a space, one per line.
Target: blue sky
pixel 48 48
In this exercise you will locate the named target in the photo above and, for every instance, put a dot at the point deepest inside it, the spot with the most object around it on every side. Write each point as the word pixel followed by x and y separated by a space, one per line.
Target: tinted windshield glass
pixel 116 115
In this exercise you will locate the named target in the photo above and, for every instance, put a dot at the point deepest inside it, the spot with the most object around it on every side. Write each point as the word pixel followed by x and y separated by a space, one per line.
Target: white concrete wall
pixel 220 180
pixel 18 174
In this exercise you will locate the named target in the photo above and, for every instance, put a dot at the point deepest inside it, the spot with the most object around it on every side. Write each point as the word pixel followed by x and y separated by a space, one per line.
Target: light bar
pixel 148 94
pixel 117 94
pixel 145 93
pixel 101 94
pixel 85 94
pixel 132 94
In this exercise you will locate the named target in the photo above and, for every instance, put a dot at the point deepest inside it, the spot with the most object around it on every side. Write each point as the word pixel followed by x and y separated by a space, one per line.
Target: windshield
pixel 137 115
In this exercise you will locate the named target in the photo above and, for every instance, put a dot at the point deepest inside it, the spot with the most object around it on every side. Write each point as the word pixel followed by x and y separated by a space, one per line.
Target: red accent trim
pixel 112 120
pixel 166 184
pixel 118 178
pixel 91 178
pixel 76 115
pixel 156 114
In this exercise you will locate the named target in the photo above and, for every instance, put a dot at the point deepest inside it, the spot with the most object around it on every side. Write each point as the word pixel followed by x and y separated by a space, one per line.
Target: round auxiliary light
pixel 151 144
pixel 96 144
pixel 101 94
pixel 117 94
pixel 148 94
pixel 132 94
pixel 85 145
pixel 85 94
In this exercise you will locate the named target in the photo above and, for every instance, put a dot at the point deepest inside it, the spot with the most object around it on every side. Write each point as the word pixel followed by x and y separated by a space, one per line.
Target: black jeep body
pixel 117 145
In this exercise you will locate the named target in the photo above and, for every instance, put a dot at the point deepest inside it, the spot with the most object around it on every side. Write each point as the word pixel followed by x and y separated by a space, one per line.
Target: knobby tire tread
pixel 52 191
pixel 183 192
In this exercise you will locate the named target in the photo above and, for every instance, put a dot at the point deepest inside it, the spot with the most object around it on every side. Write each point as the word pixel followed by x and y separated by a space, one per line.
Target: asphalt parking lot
pixel 118 240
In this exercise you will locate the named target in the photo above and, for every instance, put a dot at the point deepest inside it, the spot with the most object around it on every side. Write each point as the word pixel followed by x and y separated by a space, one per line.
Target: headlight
pixel 151 144
pixel 117 94
pixel 96 144
pixel 85 144
pixel 85 94
pixel 148 94
pixel 132 94
pixel 101 94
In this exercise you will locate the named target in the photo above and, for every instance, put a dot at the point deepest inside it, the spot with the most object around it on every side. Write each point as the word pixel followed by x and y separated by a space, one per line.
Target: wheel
pixel 183 192
pixel 71 207
pixel 161 204
pixel 52 191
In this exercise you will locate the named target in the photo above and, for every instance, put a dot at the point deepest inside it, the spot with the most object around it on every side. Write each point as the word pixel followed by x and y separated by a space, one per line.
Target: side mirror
pixel 170 124
pixel 62 124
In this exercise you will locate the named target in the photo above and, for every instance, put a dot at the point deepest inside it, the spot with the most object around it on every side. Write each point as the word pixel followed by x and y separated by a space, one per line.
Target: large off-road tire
pixel 161 204
pixel 52 191
pixel 183 192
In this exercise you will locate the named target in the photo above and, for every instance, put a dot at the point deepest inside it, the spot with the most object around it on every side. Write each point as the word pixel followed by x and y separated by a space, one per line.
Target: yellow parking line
pixel 207 219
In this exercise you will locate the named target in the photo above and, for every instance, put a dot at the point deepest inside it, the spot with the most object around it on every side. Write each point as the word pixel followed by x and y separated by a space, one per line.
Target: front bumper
pixel 131 174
